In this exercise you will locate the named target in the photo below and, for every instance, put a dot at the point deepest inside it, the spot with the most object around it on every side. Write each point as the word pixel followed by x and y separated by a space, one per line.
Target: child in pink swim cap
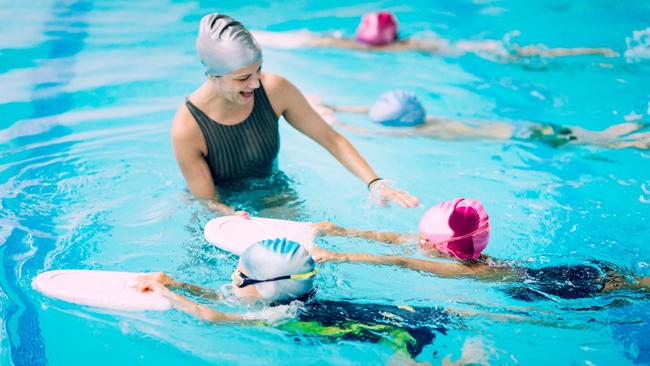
pixel 460 228
pixel 377 29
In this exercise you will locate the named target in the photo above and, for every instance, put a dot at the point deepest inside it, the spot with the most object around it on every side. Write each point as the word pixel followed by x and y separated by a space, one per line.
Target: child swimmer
pixel 378 32
pixel 459 229
pixel 402 114
pixel 278 271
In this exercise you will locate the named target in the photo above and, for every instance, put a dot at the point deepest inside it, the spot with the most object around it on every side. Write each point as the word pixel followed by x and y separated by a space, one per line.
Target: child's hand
pixel 324 227
pixel 243 214
pixel 148 285
pixel 321 255
pixel 161 277
pixel 153 282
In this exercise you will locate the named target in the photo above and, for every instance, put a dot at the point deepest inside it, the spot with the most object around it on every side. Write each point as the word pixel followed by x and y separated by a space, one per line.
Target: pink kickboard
pixel 102 289
pixel 234 233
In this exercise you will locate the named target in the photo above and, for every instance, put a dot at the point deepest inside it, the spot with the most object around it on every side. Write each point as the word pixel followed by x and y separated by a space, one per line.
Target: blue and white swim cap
pixel 397 108
pixel 224 45
pixel 272 258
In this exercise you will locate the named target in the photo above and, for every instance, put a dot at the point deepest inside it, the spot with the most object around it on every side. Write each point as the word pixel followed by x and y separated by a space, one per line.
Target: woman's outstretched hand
pixel 382 193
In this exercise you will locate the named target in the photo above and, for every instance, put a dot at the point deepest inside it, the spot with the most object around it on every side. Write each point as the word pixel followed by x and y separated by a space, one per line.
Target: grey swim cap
pixel 224 45
pixel 268 259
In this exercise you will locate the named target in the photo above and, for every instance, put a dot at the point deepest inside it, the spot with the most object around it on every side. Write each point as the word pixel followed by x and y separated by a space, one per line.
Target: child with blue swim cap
pixel 273 269
pixel 285 270
pixel 277 270
pixel 404 115
pixel 398 108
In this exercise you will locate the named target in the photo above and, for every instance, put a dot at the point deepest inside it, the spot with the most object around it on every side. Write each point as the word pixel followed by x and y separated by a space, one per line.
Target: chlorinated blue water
pixel 88 180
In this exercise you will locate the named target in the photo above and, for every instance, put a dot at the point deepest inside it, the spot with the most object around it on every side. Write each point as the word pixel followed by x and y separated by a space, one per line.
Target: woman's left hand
pixel 382 193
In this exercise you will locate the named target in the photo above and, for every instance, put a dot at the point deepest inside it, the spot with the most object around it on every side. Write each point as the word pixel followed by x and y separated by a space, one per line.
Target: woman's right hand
pixel 382 193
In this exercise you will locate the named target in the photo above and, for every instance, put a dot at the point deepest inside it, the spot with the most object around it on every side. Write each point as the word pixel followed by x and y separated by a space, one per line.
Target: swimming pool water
pixel 88 179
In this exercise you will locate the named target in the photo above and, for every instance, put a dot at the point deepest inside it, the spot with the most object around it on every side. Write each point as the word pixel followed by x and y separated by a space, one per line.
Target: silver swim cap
pixel 268 259
pixel 224 45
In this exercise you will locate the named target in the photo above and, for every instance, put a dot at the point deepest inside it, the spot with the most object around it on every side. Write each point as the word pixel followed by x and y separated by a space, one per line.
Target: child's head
pixel 398 108
pixel 377 29
pixel 460 228
pixel 277 269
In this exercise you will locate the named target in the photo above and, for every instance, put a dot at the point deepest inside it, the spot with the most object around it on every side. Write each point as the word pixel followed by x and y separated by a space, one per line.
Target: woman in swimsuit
pixel 227 129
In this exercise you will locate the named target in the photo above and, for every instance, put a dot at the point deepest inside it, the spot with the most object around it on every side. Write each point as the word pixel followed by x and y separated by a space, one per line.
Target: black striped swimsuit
pixel 245 150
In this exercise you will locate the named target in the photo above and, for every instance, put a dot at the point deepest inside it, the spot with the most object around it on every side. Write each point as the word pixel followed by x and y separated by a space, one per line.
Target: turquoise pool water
pixel 88 180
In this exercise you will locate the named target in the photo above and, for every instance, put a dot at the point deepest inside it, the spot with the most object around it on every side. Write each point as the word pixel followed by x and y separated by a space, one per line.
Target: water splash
pixel 645 197
pixel 638 46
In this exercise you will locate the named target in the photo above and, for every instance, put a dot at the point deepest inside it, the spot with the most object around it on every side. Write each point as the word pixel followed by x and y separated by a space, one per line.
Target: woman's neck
pixel 218 107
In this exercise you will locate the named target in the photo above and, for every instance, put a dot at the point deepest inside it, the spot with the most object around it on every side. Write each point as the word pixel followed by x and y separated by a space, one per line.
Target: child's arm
pixel 168 281
pixel 477 271
pixel 186 305
pixel 327 228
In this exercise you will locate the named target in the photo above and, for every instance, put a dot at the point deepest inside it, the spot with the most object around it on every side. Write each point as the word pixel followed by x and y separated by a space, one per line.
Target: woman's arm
pixel 302 116
pixel 186 141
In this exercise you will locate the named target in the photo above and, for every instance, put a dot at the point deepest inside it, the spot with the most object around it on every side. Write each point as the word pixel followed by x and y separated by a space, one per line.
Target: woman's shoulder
pixel 280 91
pixel 184 128
pixel 273 82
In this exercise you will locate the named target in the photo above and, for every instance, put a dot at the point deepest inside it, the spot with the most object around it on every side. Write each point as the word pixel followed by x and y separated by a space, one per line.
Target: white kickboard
pixel 102 289
pixel 235 233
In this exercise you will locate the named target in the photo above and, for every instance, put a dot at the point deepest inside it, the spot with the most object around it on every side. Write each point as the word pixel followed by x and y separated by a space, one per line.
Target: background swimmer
pixel 403 113
pixel 379 32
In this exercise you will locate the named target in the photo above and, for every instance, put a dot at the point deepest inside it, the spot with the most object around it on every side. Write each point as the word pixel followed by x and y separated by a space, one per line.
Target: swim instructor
pixel 227 129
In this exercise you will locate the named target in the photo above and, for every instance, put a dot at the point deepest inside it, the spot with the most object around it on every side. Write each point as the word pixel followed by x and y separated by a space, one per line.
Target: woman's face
pixel 248 292
pixel 238 86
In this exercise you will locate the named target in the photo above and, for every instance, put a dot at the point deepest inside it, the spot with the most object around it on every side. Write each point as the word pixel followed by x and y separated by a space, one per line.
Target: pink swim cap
pixel 460 228
pixel 377 29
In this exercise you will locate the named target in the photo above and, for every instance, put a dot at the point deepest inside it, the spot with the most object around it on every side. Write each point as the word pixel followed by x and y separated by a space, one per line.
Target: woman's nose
pixel 254 83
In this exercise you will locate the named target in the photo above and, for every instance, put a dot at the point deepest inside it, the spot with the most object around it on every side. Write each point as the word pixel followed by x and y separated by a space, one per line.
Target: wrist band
pixel 373 181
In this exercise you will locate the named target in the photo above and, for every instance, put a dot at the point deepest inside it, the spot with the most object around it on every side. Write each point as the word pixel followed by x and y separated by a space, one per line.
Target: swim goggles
pixel 480 229
pixel 241 280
